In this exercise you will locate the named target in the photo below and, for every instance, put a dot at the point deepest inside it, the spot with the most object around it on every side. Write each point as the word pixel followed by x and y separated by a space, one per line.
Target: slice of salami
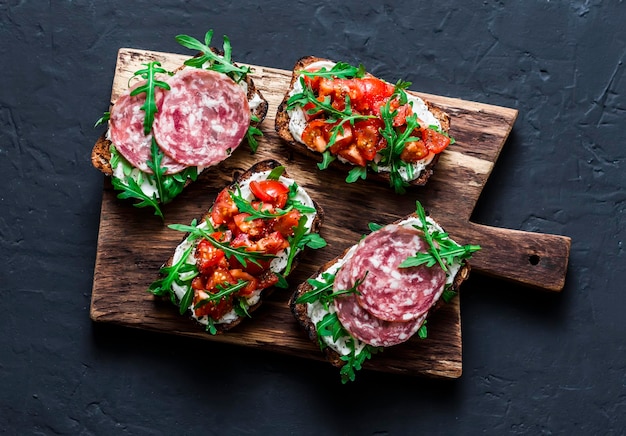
pixel 388 292
pixel 373 331
pixel 204 116
pixel 126 132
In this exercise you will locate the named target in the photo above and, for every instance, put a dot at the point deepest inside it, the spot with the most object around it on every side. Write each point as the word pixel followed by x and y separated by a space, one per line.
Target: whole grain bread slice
pixel 300 310
pixel 283 118
pixel 266 165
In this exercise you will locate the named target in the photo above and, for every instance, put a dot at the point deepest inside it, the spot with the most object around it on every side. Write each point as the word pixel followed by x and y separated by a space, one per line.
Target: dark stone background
pixel 534 363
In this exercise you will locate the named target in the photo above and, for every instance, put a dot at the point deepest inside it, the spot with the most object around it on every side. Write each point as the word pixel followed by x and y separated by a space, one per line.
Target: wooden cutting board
pixel 133 243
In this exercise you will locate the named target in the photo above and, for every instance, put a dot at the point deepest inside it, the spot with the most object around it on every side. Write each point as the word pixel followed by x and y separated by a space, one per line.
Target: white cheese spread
pixel 277 265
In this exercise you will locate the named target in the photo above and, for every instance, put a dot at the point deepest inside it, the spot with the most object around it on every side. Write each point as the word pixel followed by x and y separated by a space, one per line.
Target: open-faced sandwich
pixel 339 111
pixel 380 292
pixel 170 126
pixel 245 245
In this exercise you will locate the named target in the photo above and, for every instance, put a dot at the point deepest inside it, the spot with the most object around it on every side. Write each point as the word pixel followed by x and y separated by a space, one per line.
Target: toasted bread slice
pixel 260 167
pixel 301 311
pixel 283 119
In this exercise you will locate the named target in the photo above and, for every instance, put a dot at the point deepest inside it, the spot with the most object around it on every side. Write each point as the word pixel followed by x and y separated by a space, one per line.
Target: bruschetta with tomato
pixel 170 126
pixel 380 292
pixel 242 248
pixel 342 113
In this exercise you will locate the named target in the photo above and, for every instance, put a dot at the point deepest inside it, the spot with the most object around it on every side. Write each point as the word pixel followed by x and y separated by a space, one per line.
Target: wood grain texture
pixel 133 244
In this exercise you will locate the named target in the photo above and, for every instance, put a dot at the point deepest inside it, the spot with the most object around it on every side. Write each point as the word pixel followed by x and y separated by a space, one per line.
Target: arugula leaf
pixel 423 331
pixel 245 206
pixel 441 249
pixel 130 189
pixel 448 295
pixel 171 274
pixel 103 119
pixel 221 64
pixel 148 88
pixel 327 158
pixel 354 362
pixel 276 173
pixel 374 226
pixel 323 291
pixel 396 140
pixel 297 204
pixel 356 173
pixel 299 240
pixel 341 70
pixel 252 133
pixel 210 327
pixel 223 292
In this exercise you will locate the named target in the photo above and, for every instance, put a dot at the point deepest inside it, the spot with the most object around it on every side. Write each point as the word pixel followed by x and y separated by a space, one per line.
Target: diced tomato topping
pixel 315 135
pixel 343 139
pixel 270 191
pixel 368 137
pixel 213 309
pixel 252 228
pixel 436 142
pixel 272 243
pixel 267 279
pixel 414 151
pixel 285 224
pixel 224 208
pixel 252 285
pixel 207 256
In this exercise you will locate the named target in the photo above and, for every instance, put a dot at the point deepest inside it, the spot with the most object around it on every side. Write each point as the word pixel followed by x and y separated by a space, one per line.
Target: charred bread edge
pixel 300 310
pixel 101 154
pixel 266 165
pixel 282 128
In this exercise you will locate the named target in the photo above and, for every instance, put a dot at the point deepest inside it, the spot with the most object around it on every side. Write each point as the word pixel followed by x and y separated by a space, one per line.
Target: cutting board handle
pixel 531 259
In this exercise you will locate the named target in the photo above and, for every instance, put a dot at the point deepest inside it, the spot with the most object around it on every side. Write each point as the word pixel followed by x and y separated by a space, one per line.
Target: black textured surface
pixel 534 363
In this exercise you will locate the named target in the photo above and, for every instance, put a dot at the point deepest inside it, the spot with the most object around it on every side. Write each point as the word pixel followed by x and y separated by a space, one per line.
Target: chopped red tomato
pixel 267 279
pixel 252 285
pixel 414 151
pixel 272 243
pixel 285 224
pixel 224 208
pixel 343 139
pixel 271 191
pixel 436 142
pixel 314 135
pixel 207 256
pixel 368 138
pixel 213 309
pixel 252 228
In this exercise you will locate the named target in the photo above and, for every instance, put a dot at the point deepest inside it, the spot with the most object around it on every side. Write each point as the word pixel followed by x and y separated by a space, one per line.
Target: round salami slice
pixel 126 132
pixel 388 292
pixel 204 116
pixel 373 331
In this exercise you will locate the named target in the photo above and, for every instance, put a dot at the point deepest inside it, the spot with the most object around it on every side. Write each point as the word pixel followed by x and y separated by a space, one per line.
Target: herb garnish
pixel 329 325
pixel 441 249
pixel 341 70
pixel 252 133
pixel 172 274
pixel 245 206
pixel 299 240
pixel 149 88
pixel 223 292
pixel 396 139
pixel 240 253
pixel 221 64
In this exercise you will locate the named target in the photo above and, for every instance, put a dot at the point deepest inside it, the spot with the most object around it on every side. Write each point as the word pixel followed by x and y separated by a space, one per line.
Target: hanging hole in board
pixel 534 259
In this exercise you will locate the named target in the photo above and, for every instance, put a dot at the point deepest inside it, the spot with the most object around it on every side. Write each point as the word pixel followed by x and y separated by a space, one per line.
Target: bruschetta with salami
pixel 380 292
pixel 342 113
pixel 243 247
pixel 170 126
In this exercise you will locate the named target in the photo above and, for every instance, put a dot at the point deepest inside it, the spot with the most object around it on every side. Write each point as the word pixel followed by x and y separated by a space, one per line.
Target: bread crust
pixel 266 165
pixel 299 310
pixel 282 129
